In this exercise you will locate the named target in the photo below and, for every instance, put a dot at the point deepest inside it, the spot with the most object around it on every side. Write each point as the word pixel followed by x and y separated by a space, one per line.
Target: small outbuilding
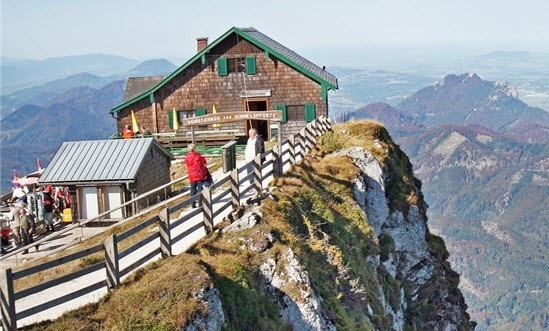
pixel 104 174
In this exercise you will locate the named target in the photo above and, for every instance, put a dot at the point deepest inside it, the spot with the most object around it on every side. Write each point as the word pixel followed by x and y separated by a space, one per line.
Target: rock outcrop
pixel 411 287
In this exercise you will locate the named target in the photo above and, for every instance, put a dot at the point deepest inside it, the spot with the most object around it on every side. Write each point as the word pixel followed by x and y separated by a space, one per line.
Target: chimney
pixel 201 43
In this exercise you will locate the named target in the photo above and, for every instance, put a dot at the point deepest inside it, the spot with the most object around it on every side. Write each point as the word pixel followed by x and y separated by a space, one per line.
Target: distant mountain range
pixel 36 120
pixel 18 74
pixel 481 153
pixel 483 158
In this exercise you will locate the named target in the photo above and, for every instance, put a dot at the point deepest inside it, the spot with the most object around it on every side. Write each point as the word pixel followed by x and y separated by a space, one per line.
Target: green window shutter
pixel 284 113
pixel 310 112
pixel 200 112
pixel 222 66
pixel 324 92
pixel 251 68
pixel 170 118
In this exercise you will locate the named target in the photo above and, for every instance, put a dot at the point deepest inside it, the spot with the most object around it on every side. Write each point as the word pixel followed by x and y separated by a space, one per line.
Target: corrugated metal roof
pixel 291 55
pixel 113 160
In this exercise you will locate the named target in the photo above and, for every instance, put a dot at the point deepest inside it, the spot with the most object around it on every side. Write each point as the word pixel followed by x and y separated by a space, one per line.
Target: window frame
pixel 295 113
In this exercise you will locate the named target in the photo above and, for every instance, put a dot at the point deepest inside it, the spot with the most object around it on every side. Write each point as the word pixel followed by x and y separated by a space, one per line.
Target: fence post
pixel 9 321
pixel 235 189
pixel 315 129
pixel 165 233
pixel 302 151
pixel 291 149
pixel 308 139
pixel 207 209
pixel 258 174
pixel 111 262
pixel 325 124
pixel 277 162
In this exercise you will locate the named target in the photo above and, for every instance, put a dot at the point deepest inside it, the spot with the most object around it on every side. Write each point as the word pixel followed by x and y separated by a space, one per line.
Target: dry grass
pixel 312 212
pixel 178 170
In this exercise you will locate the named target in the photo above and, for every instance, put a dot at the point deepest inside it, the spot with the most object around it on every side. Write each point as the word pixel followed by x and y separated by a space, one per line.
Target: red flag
pixel 38 164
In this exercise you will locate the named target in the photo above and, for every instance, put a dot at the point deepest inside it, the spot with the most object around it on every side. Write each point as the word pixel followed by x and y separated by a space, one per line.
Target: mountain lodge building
pixel 243 70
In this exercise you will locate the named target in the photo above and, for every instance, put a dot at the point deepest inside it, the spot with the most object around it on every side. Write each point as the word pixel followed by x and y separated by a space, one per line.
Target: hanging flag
pixel 135 127
pixel 214 111
pixel 38 164
pixel 175 120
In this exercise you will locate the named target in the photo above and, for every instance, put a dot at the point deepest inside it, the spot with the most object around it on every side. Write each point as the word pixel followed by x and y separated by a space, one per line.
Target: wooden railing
pixel 171 231
pixel 206 138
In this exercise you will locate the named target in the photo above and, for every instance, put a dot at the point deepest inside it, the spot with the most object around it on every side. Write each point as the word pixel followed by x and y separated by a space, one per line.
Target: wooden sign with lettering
pixel 268 115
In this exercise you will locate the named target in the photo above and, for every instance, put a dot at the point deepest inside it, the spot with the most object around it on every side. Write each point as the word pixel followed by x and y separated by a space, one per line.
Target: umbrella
pixel 175 120
pixel 214 111
pixel 135 127
pixel 26 180
pixel 36 174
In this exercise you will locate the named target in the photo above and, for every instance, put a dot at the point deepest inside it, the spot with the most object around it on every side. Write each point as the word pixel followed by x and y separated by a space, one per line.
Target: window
pixel 295 113
pixel 305 112
pixel 184 114
pixel 236 64
pixel 181 114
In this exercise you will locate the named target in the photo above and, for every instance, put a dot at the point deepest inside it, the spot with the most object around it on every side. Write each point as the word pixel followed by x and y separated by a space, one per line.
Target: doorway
pixel 112 197
pixel 90 203
pixel 261 126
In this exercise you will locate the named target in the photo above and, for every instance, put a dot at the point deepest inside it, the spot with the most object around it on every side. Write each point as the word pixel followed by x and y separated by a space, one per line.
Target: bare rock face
pixel 302 309
pixel 427 280
pixel 215 318
pixel 417 289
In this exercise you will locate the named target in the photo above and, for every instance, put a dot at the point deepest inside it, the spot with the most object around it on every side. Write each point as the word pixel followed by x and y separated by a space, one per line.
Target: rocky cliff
pixel 356 253
pixel 340 242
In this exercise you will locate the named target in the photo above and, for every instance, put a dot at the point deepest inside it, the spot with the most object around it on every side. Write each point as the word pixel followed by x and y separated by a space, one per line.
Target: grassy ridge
pixel 312 211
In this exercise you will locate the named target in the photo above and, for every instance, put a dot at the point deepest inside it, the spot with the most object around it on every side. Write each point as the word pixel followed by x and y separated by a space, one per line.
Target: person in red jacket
pixel 196 170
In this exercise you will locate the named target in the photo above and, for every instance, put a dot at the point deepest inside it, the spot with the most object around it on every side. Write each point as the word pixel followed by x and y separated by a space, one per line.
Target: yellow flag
pixel 135 127
pixel 214 111
pixel 175 120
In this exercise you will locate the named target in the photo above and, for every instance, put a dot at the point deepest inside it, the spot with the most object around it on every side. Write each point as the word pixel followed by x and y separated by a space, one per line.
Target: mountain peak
pixel 468 99
pixel 463 79
pixel 153 67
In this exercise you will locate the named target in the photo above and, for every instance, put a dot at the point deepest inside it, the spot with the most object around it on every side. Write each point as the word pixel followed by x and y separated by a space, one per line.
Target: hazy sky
pixel 142 29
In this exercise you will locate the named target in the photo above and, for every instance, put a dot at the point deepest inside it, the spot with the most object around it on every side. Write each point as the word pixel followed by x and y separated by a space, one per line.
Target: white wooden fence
pixel 175 230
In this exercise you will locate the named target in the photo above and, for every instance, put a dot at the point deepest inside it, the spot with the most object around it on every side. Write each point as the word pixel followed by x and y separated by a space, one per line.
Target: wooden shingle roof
pixel 139 85
pixel 99 161
pixel 268 45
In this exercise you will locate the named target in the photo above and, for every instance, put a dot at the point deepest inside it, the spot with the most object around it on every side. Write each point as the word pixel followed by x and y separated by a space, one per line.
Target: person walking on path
pixel 28 228
pixel 15 224
pixel 254 146
pixel 48 208
pixel 197 171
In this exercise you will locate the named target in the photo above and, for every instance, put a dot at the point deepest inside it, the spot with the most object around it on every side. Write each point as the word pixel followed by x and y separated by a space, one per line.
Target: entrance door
pixel 262 127
pixel 90 205
pixel 112 197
